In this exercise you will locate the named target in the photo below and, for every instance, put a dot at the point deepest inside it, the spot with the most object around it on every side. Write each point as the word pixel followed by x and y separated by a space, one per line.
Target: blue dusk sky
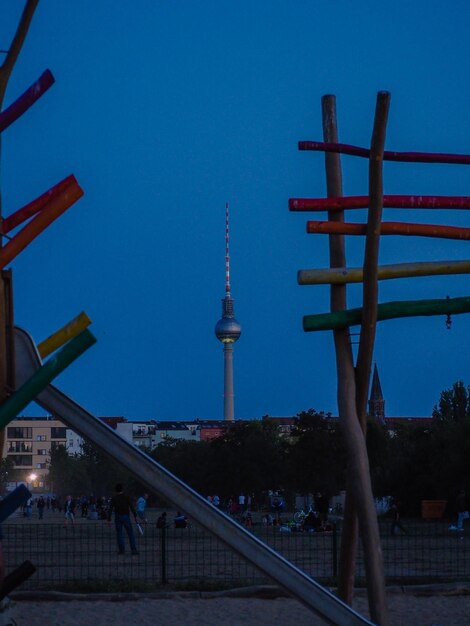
pixel 166 110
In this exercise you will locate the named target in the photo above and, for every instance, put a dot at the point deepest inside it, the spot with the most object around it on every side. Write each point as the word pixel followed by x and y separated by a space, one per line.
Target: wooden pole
pixel 391 228
pixel 368 525
pixel 26 100
pixel 6 291
pixel 387 311
pixel 56 206
pixel 409 157
pixel 344 275
pixel 35 206
pixel 44 376
pixel 64 334
pixel 389 202
pixel 344 358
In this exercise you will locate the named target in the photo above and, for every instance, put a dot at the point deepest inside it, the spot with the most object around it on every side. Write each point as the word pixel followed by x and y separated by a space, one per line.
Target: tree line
pixel 411 462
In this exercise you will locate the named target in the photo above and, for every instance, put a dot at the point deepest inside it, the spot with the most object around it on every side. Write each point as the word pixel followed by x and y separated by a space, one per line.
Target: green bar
pixel 387 311
pixel 44 376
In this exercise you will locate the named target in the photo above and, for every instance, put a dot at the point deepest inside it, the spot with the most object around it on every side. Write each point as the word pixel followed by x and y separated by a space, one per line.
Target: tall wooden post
pixel 334 187
pixel 360 498
pixel 6 280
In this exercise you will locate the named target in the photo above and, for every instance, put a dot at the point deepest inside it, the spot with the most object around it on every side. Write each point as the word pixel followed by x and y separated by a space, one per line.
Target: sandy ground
pixel 405 609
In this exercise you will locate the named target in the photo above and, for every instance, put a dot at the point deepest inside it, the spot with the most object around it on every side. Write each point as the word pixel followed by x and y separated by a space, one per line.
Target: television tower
pixel 228 331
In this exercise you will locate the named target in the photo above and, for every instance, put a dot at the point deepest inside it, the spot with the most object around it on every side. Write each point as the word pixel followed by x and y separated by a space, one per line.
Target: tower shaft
pixel 228 383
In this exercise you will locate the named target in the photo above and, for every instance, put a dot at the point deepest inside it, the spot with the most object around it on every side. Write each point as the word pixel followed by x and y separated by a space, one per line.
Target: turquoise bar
pixel 44 376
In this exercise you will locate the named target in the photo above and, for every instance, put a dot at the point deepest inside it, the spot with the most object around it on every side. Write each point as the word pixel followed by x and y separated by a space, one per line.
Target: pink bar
pixel 22 104
pixel 413 157
pixel 389 201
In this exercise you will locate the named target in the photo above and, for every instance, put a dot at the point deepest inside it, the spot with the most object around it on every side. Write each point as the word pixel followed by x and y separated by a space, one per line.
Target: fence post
pixel 334 548
pixel 163 555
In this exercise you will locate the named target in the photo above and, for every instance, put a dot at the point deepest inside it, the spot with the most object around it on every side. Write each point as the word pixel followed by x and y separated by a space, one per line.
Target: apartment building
pixel 28 443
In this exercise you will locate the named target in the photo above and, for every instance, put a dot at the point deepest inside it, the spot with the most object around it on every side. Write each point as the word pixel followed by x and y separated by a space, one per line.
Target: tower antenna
pixel 227 252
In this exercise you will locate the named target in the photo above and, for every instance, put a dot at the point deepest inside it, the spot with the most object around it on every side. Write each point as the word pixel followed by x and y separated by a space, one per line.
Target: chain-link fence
pixel 87 552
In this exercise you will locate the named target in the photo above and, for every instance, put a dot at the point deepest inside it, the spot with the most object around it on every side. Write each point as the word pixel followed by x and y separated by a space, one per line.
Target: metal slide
pixel 172 489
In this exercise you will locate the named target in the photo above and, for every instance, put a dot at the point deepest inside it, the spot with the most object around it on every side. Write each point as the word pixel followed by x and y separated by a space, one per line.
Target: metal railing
pixel 87 552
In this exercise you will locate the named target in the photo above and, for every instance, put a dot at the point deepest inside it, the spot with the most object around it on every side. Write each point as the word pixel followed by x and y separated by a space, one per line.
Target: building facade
pixel 28 444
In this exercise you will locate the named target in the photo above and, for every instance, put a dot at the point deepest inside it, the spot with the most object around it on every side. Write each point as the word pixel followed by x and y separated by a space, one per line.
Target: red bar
pixel 390 228
pixel 413 157
pixel 389 202
pixel 20 216
pixel 51 211
pixel 22 104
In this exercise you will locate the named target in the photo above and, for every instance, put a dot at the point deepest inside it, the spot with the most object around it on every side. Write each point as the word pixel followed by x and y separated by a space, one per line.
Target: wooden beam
pixel 411 157
pixel 345 275
pixel 36 205
pixel 389 202
pixel 55 207
pixel 387 311
pixel 26 100
pixel 64 334
pixel 390 228
pixel 44 376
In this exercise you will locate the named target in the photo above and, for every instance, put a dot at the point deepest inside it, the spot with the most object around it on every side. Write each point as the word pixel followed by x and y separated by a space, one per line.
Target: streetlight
pixel 31 478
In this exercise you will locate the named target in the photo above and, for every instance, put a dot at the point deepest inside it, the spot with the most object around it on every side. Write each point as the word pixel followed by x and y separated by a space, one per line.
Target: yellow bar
pixel 342 275
pixel 63 335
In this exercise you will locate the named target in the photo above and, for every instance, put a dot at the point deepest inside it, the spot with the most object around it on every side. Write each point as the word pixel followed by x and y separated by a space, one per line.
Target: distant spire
pixel 227 253
pixel 376 400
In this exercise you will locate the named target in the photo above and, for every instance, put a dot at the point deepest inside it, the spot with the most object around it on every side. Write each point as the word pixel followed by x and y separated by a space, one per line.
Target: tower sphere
pixel 228 330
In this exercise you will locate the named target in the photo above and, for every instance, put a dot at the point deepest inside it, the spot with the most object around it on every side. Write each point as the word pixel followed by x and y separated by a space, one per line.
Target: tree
pixel 454 404
pixel 188 460
pixel 62 471
pixel 249 458
pixel 6 468
pixel 317 456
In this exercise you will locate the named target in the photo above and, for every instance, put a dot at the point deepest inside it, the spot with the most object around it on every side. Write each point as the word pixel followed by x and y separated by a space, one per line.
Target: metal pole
pixel 334 548
pixel 163 555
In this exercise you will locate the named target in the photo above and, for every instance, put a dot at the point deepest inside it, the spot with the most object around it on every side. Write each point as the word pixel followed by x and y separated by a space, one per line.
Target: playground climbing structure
pixel 353 378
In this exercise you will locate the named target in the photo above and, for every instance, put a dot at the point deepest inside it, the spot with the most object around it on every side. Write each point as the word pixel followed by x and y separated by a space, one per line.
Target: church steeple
pixel 376 400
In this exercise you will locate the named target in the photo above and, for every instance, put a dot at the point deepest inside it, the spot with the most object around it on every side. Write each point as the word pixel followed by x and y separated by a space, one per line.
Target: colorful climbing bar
pixel 387 311
pixel 44 376
pixel 389 228
pixel 413 157
pixel 344 275
pixel 50 212
pixel 64 334
pixel 25 101
pixel 389 202
pixel 30 209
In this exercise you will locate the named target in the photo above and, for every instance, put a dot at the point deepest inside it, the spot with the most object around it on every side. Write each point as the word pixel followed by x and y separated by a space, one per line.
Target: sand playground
pixel 447 605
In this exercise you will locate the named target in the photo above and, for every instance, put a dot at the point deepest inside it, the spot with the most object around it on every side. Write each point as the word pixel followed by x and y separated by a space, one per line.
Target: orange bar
pixel 390 228
pixel 30 209
pixel 54 208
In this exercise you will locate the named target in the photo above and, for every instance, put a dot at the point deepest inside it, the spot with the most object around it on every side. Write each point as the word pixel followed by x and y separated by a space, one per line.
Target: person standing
pixel 140 509
pixel 41 504
pixel 395 511
pixel 122 507
pixel 161 521
pixel 28 509
pixel 462 511
pixel 69 510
